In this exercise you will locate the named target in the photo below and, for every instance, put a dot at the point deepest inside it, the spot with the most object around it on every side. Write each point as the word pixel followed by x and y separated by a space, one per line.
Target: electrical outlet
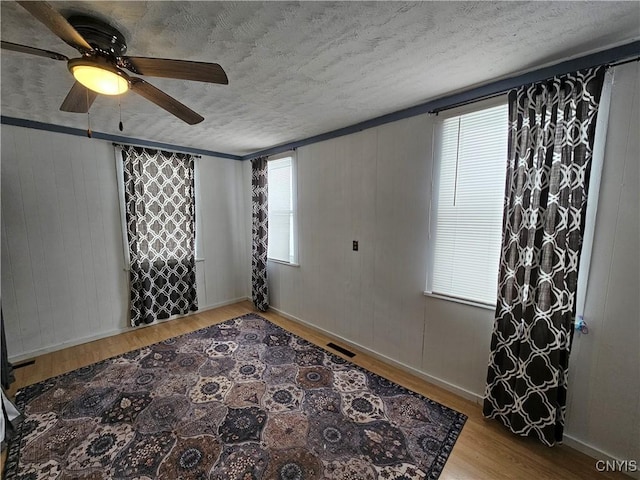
pixel 355 245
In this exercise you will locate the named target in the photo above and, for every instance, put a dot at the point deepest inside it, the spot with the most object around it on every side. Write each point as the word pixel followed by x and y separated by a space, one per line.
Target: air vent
pixel 343 351
pixel 26 363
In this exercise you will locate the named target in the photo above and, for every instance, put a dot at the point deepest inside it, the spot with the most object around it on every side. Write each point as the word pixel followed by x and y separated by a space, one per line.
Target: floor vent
pixel 23 364
pixel 343 351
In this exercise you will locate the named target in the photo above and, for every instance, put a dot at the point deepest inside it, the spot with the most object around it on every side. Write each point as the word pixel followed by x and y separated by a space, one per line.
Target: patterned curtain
pixel 260 233
pixel 551 132
pixel 160 216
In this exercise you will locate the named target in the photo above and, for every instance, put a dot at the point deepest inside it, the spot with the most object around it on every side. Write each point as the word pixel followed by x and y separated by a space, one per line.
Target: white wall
pixel 604 395
pixel 374 187
pixel 62 278
pixel 222 276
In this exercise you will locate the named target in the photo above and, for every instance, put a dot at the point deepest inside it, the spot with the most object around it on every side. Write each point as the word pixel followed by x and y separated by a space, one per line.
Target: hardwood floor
pixel 484 450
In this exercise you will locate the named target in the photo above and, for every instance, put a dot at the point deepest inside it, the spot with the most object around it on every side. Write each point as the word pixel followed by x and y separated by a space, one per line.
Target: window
pixel 468 195
pixel 159 214
pixel 199 248
pixel 282 211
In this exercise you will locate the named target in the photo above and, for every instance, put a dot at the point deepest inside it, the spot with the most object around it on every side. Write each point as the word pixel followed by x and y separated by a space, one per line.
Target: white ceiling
pixel 301 69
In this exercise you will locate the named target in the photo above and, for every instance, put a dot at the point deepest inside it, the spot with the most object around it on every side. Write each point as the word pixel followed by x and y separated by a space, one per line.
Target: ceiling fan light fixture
pixel 99 78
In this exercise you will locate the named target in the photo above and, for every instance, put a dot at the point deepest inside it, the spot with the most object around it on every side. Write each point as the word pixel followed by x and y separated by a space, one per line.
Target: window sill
pixel 282 262
pixel 461 300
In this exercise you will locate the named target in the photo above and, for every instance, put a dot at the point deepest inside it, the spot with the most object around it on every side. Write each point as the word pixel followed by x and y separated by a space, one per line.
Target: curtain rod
pixel 155 147
pixel 624 62
pixel 506 90
pixel 468 102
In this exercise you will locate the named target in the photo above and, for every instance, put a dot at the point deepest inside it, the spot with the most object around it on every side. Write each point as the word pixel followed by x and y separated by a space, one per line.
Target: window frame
pixel 295 258
pixel 477 106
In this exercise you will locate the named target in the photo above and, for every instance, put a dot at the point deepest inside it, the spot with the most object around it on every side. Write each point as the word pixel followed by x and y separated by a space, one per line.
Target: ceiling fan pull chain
pixel 120 107
pixel 88 115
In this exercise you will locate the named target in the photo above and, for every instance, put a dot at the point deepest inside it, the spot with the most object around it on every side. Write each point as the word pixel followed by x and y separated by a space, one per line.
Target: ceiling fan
pixel 100 68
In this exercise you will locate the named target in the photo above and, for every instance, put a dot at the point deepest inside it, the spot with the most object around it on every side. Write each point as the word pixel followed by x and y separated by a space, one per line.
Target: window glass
pixel 282 218
pixel 466 227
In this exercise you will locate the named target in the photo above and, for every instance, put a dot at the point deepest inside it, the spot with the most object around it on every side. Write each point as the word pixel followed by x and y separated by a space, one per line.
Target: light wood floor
pixel 484 450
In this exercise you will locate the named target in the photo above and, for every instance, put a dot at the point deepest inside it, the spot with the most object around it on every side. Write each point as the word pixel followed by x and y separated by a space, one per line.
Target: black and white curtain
pixel 260 233
pixel 160 219
pixel 551 133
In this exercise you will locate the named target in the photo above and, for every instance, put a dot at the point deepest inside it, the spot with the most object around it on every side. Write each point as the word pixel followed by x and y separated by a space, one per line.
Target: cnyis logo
pixel 628 466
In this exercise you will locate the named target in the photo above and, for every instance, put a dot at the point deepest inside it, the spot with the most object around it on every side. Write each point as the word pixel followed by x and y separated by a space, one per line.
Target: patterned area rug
pixel 241 400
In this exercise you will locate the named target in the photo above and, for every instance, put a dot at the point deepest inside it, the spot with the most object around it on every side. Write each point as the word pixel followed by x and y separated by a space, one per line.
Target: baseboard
pixel 30 354
pixel 594 452
pixel 461 392
pixel 576 444
pixel 110 333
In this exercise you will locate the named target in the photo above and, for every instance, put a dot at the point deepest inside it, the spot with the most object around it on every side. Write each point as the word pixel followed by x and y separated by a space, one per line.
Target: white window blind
pixel 281 197
pixel 469 181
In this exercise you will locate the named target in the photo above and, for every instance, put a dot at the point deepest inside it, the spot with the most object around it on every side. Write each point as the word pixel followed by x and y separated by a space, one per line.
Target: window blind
pixel 281 218
pixel 469 182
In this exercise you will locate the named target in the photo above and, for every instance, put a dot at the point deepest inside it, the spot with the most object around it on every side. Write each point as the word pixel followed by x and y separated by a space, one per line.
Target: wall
pixel 222 275
pixel 604 395
pixel 374 186
pixel 63 280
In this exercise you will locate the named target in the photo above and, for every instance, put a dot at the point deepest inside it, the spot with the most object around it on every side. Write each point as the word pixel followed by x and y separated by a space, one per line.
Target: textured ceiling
pixel 300 69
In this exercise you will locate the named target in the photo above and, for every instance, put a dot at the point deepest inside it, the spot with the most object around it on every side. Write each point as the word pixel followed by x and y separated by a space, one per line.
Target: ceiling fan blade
pixel 57 24
pixel 180 69
pixel 16 47
pixel 79 99
pixel 165 101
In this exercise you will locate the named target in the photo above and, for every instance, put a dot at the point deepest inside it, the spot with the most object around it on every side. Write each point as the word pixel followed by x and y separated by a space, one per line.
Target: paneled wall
pixel 222 276
pixel 63 280
pixel 374 187
pixel 604 395
pixel 62 267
